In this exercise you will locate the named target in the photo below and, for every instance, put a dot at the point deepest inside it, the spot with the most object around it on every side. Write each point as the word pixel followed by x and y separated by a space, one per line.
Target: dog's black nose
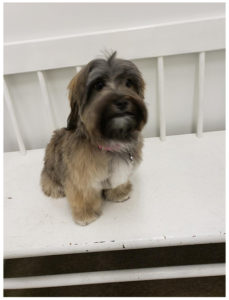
pixel 121 104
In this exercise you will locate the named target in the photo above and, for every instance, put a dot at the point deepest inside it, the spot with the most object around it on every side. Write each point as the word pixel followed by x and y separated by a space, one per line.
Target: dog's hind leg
pixel 50 187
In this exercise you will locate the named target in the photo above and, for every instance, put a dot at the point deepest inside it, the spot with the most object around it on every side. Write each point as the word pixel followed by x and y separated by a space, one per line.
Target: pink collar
pixel 109 149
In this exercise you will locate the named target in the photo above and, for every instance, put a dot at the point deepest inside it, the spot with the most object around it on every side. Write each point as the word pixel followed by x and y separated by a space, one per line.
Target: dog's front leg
pixel 85 204
pixel 119 194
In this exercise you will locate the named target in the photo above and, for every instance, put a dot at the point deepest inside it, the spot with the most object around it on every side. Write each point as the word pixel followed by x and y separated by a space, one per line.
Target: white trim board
pixel 115 276
pixel 131 43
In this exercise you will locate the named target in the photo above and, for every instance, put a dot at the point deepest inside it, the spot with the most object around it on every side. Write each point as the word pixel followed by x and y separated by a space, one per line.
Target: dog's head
pixel 107 99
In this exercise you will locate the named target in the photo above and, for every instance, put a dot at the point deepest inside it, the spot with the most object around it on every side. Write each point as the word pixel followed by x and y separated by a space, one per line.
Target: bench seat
pixel 178 199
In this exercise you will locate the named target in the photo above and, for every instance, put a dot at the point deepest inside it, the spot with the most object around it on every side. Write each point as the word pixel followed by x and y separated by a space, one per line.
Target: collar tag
pixel 131 157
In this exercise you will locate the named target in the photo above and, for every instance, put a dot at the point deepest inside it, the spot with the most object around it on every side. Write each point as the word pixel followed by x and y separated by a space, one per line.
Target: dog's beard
pixel 120 127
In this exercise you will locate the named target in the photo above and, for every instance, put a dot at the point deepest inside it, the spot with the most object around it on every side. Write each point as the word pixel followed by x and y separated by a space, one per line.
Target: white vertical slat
pixel 44 91
pixel 200 99
pixel 10 107
pixel 160 80
pixel 78 69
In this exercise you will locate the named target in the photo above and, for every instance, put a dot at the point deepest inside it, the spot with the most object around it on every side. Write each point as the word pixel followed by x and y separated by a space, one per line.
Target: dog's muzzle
pixel 121 116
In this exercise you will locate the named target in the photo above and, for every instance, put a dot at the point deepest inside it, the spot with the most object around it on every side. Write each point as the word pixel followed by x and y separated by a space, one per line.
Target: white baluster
pixel 160 80
pixel 11 110
pixel 44 91
pixel 200 100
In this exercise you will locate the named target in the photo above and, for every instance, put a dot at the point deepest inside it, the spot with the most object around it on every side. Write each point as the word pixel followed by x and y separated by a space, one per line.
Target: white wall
pixel 39 21
pixel 27 21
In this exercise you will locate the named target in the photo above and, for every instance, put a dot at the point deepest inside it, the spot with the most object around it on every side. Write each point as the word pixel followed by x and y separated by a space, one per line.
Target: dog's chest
pixel 119 171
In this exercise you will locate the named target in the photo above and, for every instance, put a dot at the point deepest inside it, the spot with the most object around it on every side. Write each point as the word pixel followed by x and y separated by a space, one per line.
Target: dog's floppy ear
pixel 76 92
pixel 142 87
pixel 73 116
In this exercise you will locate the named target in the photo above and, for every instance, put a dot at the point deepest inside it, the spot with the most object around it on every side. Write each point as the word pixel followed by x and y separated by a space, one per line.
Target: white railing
pixel 162 114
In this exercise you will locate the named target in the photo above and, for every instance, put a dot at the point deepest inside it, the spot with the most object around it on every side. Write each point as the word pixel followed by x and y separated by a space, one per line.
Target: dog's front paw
pixel 85 218
pixel 127 197
pixel 115 198
pixel 119 194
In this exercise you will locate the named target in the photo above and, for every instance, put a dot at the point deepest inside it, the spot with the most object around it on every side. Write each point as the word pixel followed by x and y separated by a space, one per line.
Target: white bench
pixel 178 199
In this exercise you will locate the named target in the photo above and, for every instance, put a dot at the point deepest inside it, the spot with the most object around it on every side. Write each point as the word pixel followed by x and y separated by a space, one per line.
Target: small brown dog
pixel 94 156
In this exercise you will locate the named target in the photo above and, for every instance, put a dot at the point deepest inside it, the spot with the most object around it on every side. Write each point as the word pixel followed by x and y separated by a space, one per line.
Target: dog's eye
pixel 129 83
pixel 99 85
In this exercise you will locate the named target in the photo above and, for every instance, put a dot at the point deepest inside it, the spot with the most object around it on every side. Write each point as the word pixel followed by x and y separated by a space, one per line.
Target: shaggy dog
pixel 93 158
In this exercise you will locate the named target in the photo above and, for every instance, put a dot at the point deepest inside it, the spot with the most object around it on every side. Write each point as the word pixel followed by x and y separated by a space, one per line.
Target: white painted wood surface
pixel 131 43
pixel 78 68
pixel 115 276
pixel 178 199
